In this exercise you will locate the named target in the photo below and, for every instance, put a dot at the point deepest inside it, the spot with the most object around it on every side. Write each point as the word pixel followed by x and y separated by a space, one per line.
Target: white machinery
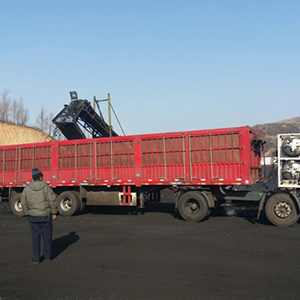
pixel 289 160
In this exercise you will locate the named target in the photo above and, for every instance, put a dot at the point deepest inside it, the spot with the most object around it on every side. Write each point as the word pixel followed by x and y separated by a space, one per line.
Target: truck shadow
pixel 248 214
pixel 167 208
pixel 60 244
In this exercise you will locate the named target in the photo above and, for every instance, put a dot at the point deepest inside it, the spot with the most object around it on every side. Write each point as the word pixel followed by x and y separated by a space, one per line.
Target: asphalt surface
pixel 105 254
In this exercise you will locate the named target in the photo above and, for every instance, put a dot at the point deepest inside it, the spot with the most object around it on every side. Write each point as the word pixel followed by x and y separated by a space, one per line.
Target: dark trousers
pixel 41 227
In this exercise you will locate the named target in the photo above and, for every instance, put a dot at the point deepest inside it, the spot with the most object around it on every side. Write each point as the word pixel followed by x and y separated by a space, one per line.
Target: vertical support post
pixel 183 158
pixel 190 157
pixel 91 161
pixel 279 171
pixel 16 164
pixel 20 165
pixel 165 157
pixel 54 164
pixel 111 161
pixel 94 103
pixel 33 157
pixel 109 114
pixel 142 200
pixel 76 160
pixel 4 162
pixel 95 162
pixel 211 157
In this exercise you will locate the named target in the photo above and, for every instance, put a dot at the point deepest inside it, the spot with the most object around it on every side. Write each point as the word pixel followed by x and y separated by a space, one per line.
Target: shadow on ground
pixel 167 208
pixel 249 214
pixel 60 244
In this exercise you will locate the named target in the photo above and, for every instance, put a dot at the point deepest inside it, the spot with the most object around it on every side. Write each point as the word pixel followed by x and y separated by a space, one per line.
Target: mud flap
pixel 261 205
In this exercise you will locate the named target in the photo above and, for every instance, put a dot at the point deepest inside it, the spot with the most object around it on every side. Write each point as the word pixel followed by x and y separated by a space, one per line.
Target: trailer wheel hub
pixel 18 206
pixel 283 210
pixel 192 207
pixel 66 204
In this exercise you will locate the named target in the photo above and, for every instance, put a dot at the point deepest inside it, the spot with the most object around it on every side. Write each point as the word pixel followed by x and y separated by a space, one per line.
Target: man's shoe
pixel 36 262
pixel 48 260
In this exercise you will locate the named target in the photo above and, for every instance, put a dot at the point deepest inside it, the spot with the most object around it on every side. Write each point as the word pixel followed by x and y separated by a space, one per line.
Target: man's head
pixel 36 174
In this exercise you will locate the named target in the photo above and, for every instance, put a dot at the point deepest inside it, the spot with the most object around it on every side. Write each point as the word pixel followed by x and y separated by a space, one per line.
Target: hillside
pixel 11 134
pixel 291 125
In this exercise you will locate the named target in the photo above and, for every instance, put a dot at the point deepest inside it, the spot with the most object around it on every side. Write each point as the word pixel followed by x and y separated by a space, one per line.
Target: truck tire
pixel 281 210
pixel 67 203
pixel 16 206
pixel 193 206
pixel 81 203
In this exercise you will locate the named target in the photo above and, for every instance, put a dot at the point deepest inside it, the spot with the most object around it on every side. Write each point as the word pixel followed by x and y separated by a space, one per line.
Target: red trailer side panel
pixel 205 157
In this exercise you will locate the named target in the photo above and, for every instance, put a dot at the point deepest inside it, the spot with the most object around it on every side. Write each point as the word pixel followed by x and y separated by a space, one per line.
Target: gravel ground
pixel 117 254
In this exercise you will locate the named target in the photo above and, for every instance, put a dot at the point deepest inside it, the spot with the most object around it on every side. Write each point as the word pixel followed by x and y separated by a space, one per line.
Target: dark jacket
pixel 38 199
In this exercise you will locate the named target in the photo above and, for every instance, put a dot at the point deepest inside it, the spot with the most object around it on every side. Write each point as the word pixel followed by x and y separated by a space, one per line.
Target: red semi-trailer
pixel 202 167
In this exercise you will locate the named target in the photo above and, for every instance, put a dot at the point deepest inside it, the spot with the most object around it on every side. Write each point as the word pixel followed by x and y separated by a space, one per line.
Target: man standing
pixel 39 205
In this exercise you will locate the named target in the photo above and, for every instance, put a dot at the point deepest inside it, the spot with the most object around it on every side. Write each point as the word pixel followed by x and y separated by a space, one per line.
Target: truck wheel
pixel 67 204
pixel 193 206
pixel 16 206
pixel 81 203
pixel 281 210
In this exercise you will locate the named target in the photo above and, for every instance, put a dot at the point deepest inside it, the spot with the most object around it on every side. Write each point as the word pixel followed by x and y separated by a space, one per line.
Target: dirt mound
pixel 11 134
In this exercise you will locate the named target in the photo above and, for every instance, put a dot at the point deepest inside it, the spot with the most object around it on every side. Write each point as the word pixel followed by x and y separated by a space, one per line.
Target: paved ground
pixel 100 255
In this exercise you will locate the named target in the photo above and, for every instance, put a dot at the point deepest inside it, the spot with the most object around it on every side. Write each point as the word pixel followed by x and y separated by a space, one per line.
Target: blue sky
pixel 168 65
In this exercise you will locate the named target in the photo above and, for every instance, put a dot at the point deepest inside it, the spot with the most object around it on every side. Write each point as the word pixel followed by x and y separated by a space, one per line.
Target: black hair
pixel 36 174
